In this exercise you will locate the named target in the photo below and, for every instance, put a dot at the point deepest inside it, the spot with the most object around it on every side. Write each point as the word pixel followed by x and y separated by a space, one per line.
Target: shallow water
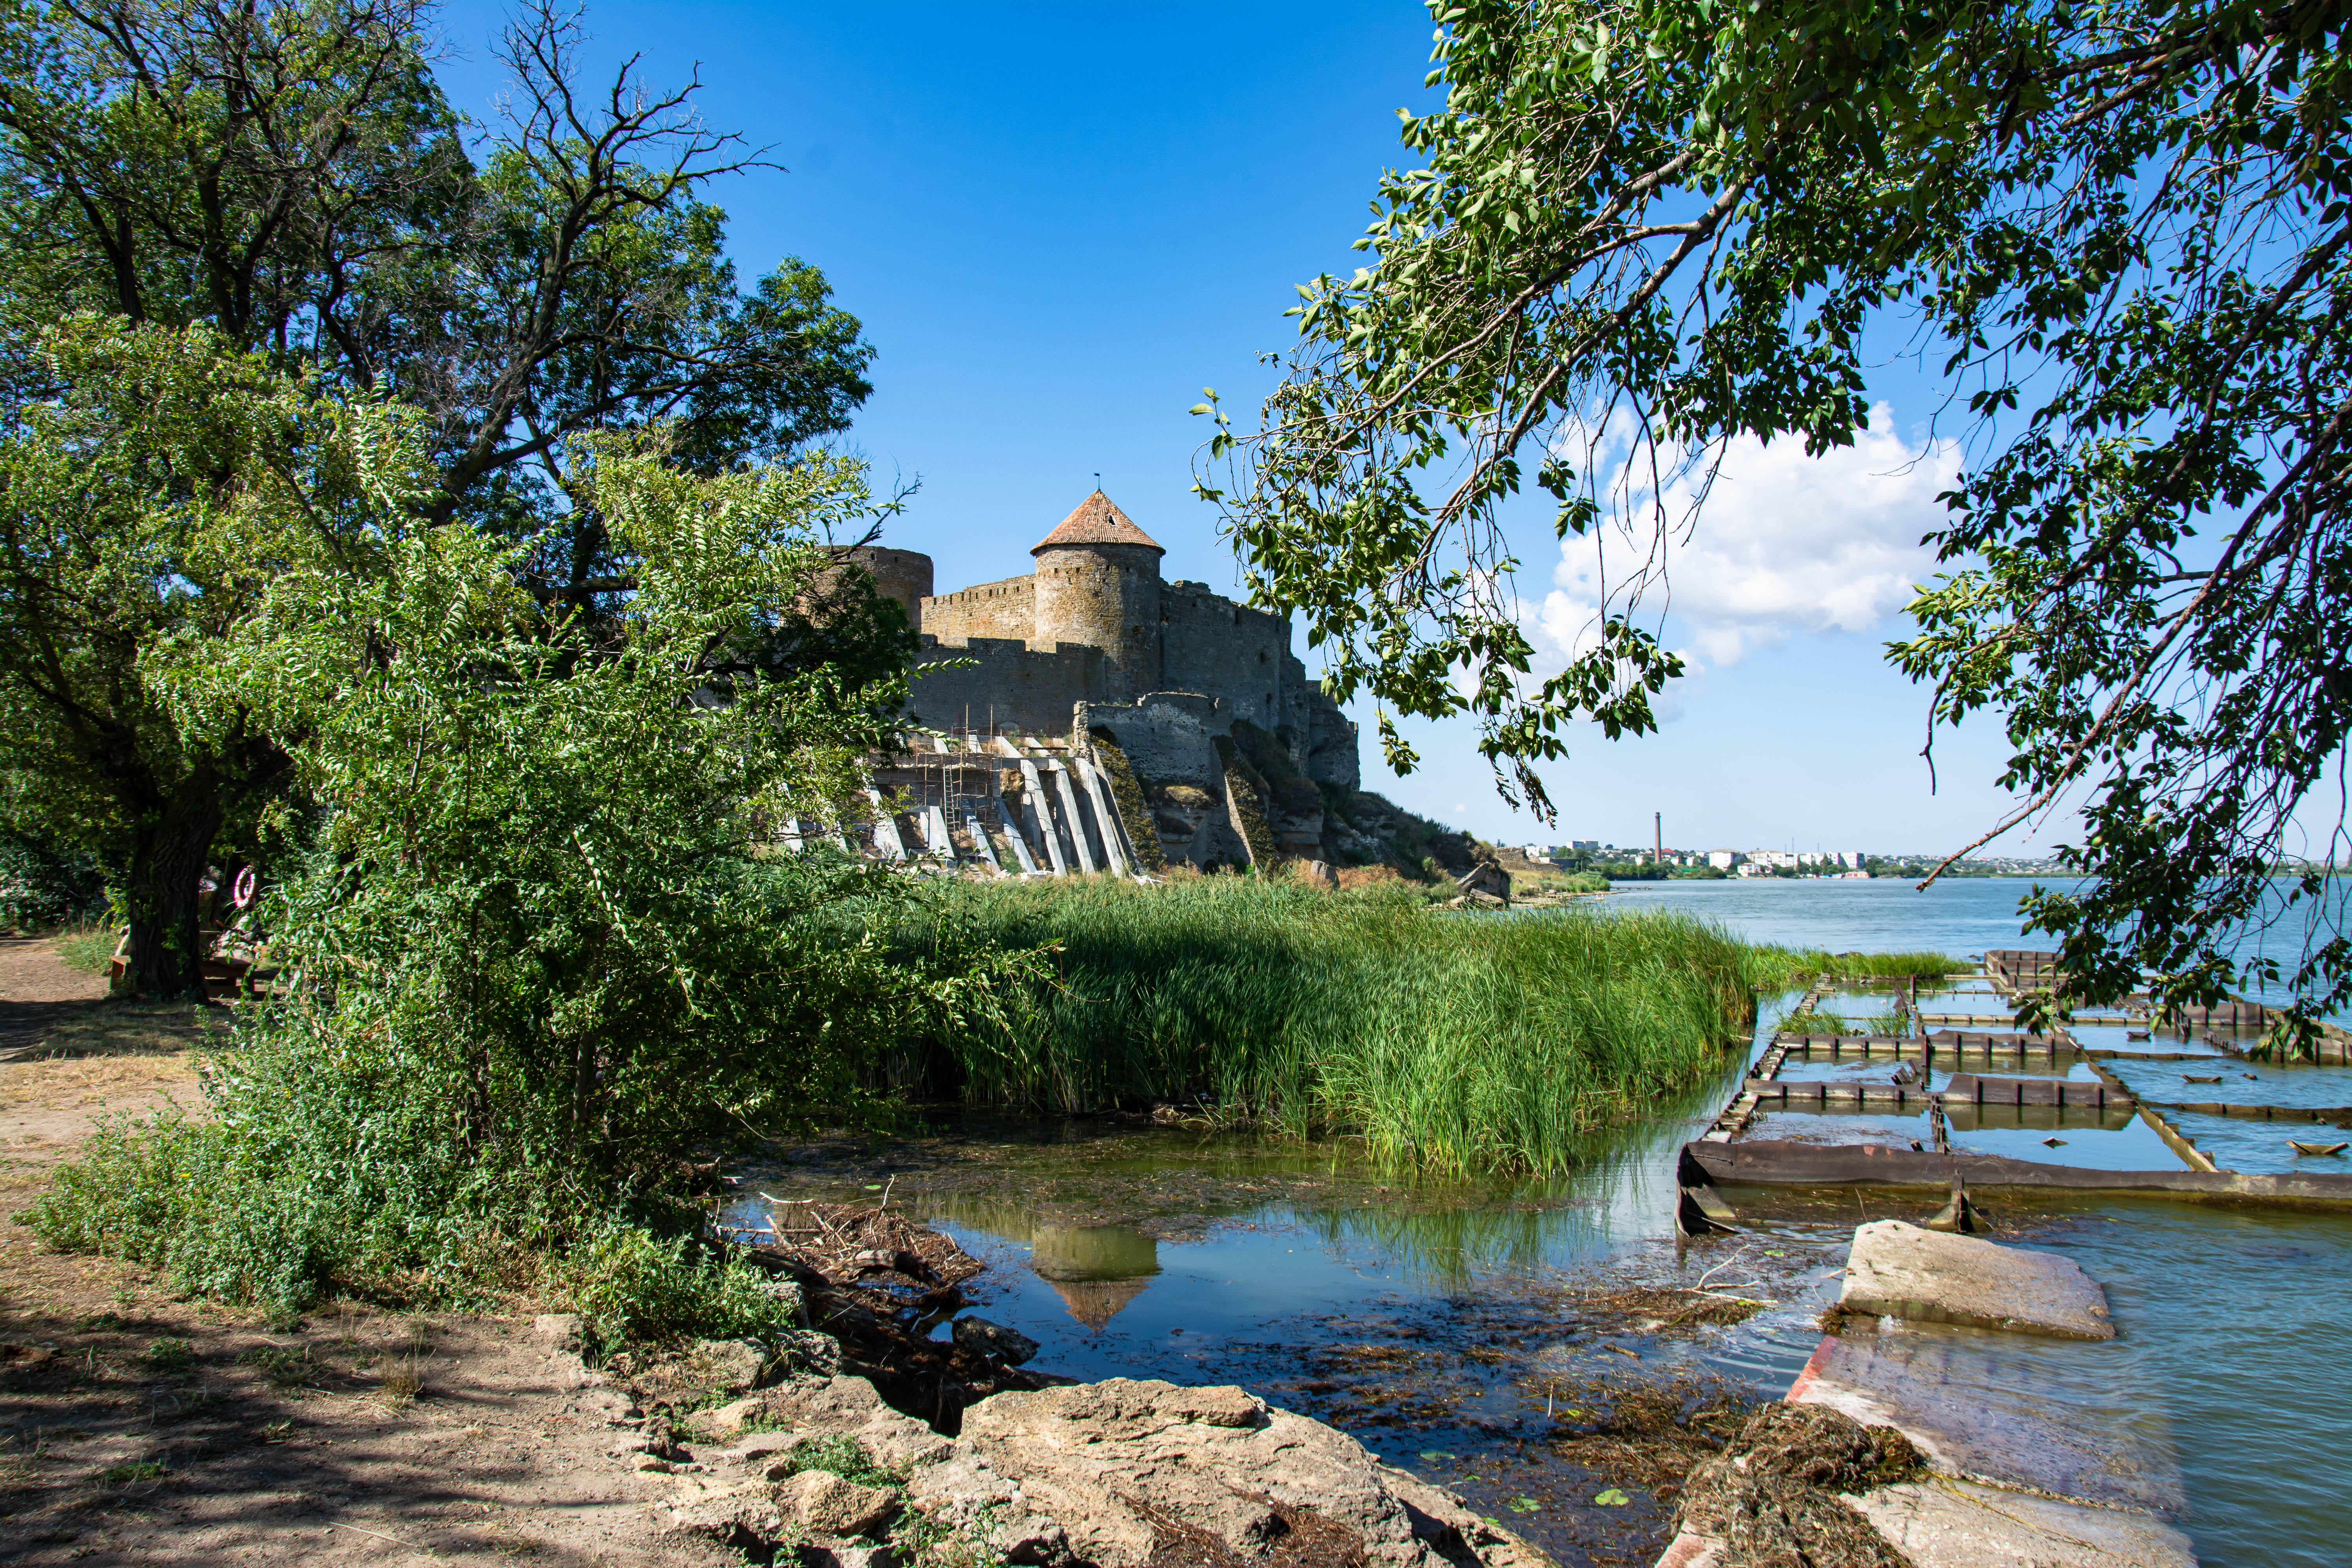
pixel 1440 1323
pixel 1444 1324
pixel 2261 1148
pixel 1439 1319
pixel 2242 1083
pixel 2119 1038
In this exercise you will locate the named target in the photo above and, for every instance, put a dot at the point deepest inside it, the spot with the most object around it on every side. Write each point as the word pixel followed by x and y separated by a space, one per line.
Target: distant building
pixel 1723 860
pixel 1587 845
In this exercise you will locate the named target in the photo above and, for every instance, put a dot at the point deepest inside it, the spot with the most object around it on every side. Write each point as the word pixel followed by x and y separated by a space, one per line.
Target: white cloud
pixel 1786 545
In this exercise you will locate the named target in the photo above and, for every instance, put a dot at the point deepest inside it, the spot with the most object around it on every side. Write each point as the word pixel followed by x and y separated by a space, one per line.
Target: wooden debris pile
pixel 878 1284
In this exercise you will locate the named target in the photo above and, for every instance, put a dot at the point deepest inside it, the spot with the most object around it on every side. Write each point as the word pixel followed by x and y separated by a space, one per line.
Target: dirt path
pixel 38 992
pixel 142 1427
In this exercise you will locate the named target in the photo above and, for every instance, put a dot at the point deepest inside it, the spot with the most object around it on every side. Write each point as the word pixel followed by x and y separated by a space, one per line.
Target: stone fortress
pixel 1093 716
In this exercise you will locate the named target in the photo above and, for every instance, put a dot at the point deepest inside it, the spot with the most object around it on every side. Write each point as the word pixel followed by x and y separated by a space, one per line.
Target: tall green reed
pixel 1448 1041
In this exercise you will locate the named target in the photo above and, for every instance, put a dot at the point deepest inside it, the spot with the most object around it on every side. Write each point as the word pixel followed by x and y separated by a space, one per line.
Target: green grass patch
pixel 171 1355
pixel 1818 1022
pixel 1796 964
pixel 843 1456
pixel 1446 1041
pixel 89 950
pixel 138 1470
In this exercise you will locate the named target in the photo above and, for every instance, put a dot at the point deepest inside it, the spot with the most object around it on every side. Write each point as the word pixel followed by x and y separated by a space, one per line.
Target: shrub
pixel 44 883
pixel 535 955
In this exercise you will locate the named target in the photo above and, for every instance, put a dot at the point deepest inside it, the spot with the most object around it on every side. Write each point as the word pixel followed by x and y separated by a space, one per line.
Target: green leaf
pixel 1613 1498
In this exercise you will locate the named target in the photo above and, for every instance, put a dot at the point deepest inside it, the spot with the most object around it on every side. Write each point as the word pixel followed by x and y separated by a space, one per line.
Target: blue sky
pixel 1058 224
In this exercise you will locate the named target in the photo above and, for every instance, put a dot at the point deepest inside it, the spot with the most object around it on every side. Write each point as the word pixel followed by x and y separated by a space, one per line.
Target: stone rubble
pixel 1111 1475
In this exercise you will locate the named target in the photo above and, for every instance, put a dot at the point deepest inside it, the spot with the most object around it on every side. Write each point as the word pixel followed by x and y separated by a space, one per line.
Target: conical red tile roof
pixel 1096 522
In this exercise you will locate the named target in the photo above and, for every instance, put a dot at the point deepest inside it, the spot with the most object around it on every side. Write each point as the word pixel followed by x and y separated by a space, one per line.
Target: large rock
pixel 733 1366
pixel 1125 1468
pixel 809 1407
pixel 833 1505
pixel 983 1338
pixel 1898 1270
pixel 1111 1475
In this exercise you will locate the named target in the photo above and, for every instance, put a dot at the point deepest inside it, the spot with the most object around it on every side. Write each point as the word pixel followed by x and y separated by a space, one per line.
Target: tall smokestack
pixel 1658 839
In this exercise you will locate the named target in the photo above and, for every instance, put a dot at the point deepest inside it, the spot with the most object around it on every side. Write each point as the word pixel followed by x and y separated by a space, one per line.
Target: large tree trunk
pixel 167 862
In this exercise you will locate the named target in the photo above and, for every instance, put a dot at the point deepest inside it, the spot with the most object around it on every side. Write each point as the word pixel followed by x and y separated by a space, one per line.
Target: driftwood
pixel 879 1284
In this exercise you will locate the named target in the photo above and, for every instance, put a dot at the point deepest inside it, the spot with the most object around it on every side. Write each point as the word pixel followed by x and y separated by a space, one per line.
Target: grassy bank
pixel 1450 1041
pixel 1880 965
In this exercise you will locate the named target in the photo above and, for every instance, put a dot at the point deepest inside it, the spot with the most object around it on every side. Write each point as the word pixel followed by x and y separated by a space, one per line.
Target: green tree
pixel 1640 228
pixel 286 174
pixel 540 950
pixel 143 515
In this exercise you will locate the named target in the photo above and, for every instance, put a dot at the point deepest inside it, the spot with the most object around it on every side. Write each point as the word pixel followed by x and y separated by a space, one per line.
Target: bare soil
pixel 140 1427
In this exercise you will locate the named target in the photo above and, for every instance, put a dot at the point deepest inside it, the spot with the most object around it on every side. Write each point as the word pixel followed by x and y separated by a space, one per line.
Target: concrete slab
pixel 1981 1407
pixel 1898 1270
pixel 1953 1524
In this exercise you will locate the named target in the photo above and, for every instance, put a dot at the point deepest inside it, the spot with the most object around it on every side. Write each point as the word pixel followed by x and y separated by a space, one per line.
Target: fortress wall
pixel 1033 688
pixel 1006 609
pixel 1211 644
pixel 1166 736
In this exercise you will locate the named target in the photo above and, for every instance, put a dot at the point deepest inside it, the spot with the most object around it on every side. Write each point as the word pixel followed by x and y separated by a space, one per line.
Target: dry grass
pixel 1650 1309
pixel 404 1382
pixel 96 1083
pixel 1650 1434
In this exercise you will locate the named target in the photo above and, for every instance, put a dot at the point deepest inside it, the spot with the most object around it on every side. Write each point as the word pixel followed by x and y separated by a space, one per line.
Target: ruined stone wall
pixel 1032 688
pixel 1106 597
pixel 1332 752
pixel 1168 736
pixel 1230 651
pixel 1006 609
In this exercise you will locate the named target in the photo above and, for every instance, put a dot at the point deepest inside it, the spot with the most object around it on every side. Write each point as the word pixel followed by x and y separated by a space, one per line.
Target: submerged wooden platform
pixel 1777 1163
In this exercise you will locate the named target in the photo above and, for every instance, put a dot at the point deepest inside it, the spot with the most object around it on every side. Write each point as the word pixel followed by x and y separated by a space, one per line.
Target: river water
pixel 1462 1331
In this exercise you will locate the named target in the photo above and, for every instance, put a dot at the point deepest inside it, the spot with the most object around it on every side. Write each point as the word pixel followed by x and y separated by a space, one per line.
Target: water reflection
pixel 1095 1269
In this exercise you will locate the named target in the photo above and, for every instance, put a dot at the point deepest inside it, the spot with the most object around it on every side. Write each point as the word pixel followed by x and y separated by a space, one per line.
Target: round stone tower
pixel 1098 583
pixel 901 574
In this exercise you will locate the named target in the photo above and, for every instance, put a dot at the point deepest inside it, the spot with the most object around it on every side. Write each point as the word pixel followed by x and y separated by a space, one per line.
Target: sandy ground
pixel 138 1425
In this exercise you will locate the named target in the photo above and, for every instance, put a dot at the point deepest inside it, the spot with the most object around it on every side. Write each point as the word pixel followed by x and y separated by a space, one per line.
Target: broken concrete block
pixel 1899 1270
pixel 1954 1524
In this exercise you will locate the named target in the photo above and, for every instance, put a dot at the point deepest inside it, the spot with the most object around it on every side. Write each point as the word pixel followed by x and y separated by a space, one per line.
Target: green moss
pixel 1245 803
pixel 1127 793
